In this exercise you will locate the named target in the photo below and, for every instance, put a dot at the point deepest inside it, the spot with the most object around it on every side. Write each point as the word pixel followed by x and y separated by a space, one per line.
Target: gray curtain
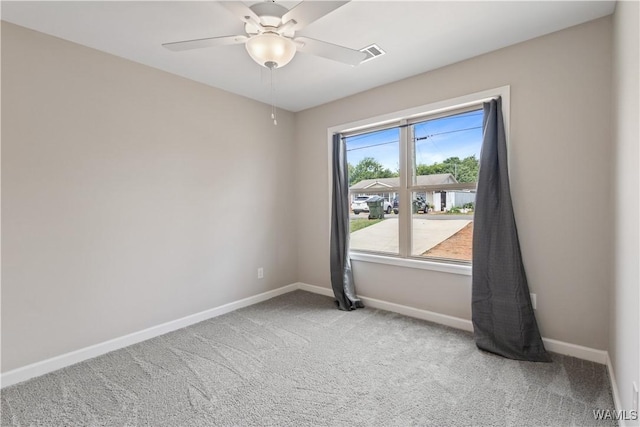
pixel 341 274
pixel 503 318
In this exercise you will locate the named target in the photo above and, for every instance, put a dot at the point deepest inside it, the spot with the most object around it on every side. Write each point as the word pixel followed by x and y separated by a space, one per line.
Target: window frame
pixel 403 119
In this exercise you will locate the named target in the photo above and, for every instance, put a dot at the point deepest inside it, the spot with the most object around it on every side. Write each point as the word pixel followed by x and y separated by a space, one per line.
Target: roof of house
pixel 384 183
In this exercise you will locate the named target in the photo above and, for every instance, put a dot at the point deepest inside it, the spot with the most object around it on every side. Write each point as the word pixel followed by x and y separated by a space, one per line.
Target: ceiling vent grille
pixel 372 51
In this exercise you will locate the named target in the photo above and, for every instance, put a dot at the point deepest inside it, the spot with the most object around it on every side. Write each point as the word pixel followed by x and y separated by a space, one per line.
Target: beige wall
pixel 560 174
pixel 130 197
pixel 625 296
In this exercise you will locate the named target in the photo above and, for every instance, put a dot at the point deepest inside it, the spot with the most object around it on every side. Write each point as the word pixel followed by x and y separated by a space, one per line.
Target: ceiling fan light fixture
pixel 271 50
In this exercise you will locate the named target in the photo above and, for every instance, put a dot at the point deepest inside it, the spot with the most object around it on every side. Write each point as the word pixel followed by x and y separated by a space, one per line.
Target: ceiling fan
pixel 270 33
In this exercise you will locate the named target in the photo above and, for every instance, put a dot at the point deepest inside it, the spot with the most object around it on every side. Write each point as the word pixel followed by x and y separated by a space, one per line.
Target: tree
pixel 465 170
pixel 433 169
pixel 368 168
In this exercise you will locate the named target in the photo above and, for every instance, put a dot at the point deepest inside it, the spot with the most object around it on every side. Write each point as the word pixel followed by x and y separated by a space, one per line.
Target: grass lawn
pixel 360 223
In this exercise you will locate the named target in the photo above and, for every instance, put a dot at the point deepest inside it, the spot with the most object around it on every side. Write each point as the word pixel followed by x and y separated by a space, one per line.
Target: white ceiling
pixel 418 36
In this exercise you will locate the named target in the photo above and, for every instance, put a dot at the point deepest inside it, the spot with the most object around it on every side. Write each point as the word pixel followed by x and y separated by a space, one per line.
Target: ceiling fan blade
pixel 242 11
pixel 308 11
pixel 208 42
pixel 329 51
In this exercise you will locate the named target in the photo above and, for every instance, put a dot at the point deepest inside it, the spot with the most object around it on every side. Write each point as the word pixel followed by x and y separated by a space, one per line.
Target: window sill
pixel 444 267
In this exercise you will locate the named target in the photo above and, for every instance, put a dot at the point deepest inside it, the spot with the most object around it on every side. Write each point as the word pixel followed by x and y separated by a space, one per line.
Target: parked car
pixel 360 205
pixel 419 202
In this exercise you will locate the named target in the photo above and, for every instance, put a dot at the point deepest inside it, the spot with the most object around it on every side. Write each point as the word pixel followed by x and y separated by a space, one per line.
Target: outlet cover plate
pixel 534 301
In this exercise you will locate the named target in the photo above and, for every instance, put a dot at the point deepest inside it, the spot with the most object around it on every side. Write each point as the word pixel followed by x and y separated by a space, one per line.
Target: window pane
pixel 373 161
pixel 446 151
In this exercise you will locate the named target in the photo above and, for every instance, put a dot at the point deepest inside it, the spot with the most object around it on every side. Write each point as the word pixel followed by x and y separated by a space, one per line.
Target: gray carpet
pixel 296 360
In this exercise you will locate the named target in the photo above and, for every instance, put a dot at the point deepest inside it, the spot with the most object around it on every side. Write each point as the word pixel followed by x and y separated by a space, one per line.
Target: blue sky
pixel 452 136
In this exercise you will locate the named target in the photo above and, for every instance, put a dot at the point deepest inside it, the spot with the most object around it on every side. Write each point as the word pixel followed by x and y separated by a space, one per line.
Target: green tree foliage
pixel 465 170
pixel 368 168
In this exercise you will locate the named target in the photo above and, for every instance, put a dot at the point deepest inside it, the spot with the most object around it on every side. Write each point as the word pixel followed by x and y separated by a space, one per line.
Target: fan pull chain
pixel 273 102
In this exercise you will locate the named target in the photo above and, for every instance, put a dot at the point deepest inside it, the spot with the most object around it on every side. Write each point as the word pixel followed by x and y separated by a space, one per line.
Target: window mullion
pixel 404 214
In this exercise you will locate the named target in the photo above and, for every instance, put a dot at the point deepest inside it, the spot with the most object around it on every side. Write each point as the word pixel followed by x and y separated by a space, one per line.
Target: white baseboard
pixel 585 353
pixel 328 292
pixel 58 362
pixel 49 365
pixel 614 388
pixel 581 352
pixel 442 319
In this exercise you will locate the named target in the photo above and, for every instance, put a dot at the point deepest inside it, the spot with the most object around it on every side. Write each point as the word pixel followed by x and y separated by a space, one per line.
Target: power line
pixel 415 139
pixel 444 133
pixel 373 145
pixel 457 117
pixel 466 115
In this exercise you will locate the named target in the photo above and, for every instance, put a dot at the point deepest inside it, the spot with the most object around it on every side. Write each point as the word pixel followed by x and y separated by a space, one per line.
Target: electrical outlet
pixel 534 301
pixel 635 397
pixel 260 273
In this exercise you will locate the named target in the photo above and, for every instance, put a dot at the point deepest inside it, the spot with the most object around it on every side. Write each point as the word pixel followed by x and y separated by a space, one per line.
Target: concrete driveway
pixel 427 233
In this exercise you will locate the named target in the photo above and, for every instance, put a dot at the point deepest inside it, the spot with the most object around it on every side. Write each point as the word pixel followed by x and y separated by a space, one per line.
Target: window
pixel 412 183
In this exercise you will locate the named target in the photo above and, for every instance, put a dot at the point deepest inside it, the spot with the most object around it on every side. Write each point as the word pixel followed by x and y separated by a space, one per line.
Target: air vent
pixel 372 51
